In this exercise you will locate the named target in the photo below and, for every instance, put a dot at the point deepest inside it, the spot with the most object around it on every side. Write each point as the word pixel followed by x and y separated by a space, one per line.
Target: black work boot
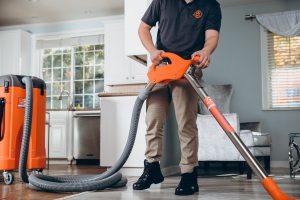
pixel 188 184
pixel 151 174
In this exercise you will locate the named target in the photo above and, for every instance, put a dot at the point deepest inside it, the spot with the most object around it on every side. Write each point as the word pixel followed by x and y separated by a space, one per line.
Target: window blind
pixel 284 71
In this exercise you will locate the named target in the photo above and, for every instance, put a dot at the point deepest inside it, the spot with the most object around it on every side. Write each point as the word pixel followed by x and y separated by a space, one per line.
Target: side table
pixel 294 154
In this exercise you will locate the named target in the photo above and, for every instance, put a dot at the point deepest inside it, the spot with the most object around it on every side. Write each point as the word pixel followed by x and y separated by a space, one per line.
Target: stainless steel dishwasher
pixel 86 142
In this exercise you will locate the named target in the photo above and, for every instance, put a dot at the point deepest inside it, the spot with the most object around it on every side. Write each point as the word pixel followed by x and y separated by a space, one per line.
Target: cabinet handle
pixel 132 77
pixel 127 78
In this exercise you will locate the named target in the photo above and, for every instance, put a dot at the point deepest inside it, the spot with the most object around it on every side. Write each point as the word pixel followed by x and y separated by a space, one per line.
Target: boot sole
pixel 188 193
pixel 185 194
pixel 154 182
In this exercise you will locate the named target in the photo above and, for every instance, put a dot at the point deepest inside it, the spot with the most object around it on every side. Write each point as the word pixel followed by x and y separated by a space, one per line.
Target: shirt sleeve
pixel 214 17
pixel 152 15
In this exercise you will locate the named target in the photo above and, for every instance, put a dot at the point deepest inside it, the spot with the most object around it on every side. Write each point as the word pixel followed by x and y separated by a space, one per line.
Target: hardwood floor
pixel 20 191
pixel 212 187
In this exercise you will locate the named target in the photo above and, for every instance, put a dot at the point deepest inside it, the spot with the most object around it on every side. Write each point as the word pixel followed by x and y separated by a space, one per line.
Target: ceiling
pixel 16 12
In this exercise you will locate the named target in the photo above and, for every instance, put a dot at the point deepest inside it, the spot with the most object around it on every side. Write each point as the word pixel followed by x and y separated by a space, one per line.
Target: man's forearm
pixel 146 38
pixel 211 44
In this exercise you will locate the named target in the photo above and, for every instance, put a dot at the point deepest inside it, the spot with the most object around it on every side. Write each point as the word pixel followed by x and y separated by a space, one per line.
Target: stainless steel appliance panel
pixel 86 136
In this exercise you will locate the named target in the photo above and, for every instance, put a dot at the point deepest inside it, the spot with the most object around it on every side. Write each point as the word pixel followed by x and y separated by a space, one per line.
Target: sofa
pixel 214 144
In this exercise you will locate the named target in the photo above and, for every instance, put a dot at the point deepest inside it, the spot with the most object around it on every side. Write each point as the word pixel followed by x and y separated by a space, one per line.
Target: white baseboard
pixel 59 162
pixel 170 171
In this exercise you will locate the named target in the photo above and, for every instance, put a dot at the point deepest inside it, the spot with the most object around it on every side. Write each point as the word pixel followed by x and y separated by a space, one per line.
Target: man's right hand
pixel 155 56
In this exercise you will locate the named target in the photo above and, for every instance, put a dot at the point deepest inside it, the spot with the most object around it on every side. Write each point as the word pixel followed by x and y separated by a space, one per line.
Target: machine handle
pixel 172 71
pixel 195 59
pixel 163 55
pixel 2 106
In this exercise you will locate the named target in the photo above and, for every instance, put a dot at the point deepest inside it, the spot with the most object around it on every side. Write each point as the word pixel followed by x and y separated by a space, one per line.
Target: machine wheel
pixel 37 171
pixel 294 156
pixel 8 178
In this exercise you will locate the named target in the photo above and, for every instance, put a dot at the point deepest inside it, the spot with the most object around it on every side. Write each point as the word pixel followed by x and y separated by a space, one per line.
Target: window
pixel 73 75
pixel 280 71
pixel 88 75
pixel 56 74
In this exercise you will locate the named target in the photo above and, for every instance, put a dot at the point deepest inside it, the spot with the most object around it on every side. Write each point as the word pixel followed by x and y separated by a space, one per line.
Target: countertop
pixel 117 94
pixel 122 90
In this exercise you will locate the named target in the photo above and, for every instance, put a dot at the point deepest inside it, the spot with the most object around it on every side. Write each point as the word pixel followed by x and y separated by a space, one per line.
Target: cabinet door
pixel 25 53
pixel 58 141
pixel 9 52
pixel 138 72
pixel 115 65
pixel 58 135
pixel 134 11
pixel 115 121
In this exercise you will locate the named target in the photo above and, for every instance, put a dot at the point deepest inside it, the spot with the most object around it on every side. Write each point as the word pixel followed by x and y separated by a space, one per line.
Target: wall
pixel 238 61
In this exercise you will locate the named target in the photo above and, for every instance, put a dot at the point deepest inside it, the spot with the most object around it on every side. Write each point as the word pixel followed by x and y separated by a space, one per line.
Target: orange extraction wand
pixel 179 68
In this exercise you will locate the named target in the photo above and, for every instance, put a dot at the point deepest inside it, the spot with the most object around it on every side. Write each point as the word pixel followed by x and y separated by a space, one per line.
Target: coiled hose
pixel 80 183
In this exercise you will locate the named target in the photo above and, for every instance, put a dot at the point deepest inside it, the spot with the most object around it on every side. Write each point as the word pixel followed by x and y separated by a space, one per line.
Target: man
pixel 187 28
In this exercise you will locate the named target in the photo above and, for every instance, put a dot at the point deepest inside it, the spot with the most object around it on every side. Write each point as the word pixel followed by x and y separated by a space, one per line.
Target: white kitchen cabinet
pixel 118 68
pixel 137 72
pixel 59 135
pixel 15 52
pixel 115 121
pixel 134 11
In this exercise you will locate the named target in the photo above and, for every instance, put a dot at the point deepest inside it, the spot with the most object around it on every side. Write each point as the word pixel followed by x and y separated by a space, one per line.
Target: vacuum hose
pixel 80 183
pixel 26 129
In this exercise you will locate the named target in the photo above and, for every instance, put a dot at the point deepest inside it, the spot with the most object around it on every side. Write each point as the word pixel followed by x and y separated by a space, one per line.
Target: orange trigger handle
pixel 195 59
pixel 172 71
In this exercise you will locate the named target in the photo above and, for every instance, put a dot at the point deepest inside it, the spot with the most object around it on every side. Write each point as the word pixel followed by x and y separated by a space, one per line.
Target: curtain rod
pixel 250 17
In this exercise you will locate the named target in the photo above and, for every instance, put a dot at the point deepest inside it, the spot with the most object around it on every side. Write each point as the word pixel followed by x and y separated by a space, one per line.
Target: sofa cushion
pixel 247 137
pixel 220 94
pixel 255 139
pixel 261 139
pixel 214 144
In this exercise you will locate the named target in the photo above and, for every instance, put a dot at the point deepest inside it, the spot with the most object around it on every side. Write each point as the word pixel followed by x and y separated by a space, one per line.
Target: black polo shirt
pixel 182 26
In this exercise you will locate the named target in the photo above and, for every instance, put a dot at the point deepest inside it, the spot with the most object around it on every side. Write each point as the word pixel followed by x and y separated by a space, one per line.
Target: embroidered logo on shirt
pixel 197 14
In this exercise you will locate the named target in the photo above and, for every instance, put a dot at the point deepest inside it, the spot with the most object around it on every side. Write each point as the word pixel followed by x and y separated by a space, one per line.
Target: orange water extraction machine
pixel 12 111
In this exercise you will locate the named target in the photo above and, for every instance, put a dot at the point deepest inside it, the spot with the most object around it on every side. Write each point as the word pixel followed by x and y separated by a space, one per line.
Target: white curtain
pixel 281 23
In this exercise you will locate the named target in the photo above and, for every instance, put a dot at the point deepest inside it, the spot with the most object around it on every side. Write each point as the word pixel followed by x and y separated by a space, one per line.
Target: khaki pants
pixel 185 102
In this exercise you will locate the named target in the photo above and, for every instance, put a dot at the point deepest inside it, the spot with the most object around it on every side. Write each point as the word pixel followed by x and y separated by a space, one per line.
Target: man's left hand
pixel 204 60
